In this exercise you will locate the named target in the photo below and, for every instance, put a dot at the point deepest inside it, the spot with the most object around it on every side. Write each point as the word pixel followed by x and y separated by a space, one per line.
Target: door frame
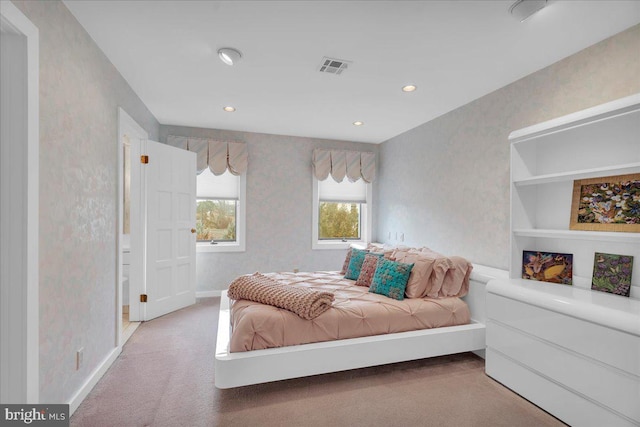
pixel 129 127
pixel 21 339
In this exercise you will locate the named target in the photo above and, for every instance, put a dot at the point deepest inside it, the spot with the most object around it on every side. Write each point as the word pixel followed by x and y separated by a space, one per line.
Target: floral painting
pixel 608 204
pixel 547 267
pixel 612 273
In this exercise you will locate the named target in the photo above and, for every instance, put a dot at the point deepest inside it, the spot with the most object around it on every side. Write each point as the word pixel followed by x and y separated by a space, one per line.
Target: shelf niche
pixel 545 160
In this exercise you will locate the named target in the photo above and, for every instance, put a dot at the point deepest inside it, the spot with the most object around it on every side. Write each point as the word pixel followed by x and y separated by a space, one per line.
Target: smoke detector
pixel 333 65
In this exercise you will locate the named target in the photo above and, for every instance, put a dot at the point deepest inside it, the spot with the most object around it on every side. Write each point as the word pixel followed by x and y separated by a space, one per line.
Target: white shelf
pixel 579 235
pixel 530 322
pixel 624 169
pixel 571 121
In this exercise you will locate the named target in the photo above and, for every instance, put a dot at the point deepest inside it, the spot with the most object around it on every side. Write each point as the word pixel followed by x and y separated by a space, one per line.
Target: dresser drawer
pixel 607 386
pixel 570 407
pixel 609 346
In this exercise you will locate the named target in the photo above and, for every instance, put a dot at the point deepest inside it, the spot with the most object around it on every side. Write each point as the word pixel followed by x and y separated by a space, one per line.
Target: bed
pixel 240 368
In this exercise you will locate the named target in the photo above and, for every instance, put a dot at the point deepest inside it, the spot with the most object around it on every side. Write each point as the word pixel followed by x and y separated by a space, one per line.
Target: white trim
pixel 259 366
pixel 241 226
pixel 208 294
pixel 126 126
pixel 366 216
pixel 29 178
pixel 93 379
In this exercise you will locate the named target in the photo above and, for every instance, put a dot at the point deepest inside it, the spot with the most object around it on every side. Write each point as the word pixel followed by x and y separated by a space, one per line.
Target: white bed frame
pixel 261 366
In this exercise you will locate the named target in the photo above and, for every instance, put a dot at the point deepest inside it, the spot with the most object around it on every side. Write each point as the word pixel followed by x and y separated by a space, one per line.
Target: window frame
pixel 241 215
pixel 366 210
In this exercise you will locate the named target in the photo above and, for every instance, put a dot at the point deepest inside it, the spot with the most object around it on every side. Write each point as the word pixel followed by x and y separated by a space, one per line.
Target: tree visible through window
pixel 339 221
pixel 216 220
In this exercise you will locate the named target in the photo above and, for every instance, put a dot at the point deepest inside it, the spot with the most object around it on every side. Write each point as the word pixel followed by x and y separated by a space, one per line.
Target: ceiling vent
pixel 333 65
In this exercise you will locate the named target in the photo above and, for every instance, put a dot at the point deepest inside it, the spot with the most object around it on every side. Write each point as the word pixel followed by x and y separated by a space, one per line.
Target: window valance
pixel 352 164
pixel 218 155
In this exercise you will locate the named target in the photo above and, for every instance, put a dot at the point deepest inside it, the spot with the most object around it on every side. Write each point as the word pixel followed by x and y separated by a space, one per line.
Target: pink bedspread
pixel 355 313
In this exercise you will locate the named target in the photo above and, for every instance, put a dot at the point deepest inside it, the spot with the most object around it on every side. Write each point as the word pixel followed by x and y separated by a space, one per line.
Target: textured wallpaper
pixel 278 207
pixel 80 92
pixel 445 184
pixel 454 199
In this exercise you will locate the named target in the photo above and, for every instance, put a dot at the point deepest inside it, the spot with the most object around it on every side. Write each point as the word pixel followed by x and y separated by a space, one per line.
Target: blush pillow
pixel 390 278
pixel 456 281
pixel 355 264
pixel 386 251
pixel 368 269
pixel 418 285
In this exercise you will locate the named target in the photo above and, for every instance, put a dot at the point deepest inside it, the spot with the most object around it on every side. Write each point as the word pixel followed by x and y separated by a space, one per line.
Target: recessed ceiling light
pixel 229 109
pixel 229 55
pixel 409 88
pixel 523 9
pixel 358 123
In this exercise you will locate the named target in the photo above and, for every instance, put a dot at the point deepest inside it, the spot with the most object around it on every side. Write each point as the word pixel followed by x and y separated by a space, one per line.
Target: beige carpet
pixel 164 377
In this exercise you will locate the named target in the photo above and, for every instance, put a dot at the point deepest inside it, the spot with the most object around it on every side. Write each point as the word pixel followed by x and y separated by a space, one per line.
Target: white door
pixel 168 240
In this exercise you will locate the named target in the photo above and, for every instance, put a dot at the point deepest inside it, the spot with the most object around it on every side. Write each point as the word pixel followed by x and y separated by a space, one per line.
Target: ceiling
pixel 454 51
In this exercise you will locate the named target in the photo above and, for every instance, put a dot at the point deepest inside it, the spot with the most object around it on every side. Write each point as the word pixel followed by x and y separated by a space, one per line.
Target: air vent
pixel 333 65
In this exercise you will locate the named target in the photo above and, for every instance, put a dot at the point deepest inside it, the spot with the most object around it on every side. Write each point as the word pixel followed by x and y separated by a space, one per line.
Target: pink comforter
pixel 355 313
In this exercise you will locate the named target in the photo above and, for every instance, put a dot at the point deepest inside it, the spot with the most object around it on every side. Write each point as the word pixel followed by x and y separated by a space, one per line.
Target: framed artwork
pixel 612 273
pixel 547 267
pixel 609 203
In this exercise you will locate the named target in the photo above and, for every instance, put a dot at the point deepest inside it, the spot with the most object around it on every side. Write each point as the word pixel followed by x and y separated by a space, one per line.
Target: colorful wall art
pixel 606 204
pixel 547 267
pixel 612 273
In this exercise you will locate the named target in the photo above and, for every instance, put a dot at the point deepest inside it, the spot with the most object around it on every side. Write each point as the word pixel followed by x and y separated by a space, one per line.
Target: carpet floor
pixel 164 377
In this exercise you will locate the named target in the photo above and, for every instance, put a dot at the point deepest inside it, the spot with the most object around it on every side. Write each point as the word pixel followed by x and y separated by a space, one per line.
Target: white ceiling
pixel 454 51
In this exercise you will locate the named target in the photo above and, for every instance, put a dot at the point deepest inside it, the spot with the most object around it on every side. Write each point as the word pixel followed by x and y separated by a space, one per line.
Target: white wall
pixel 278 207
pixel 80 92
pixel 445 183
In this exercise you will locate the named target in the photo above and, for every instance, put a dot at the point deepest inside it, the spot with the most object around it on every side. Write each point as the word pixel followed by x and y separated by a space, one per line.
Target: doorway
pixel 19 174
pixel 129 131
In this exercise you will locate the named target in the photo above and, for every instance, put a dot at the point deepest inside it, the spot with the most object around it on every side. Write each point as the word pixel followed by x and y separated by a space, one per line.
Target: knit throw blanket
pixel 257 287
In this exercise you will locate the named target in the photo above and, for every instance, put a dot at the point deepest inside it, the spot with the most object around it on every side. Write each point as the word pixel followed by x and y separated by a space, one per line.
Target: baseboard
pixel 208 294
pixel 480 353
pixel 93 379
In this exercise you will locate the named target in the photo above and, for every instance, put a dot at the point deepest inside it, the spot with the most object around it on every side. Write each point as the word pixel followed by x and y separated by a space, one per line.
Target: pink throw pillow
pixel 368 270
pixel 345 265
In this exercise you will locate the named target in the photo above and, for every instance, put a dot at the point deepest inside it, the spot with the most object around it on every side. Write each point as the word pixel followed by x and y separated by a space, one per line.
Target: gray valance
pixel 218 155
pixel 352 164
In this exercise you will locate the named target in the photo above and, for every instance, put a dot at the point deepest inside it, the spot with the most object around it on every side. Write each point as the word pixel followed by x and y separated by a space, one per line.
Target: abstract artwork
pixel 547 267
pixel 606 204
pixel 612 273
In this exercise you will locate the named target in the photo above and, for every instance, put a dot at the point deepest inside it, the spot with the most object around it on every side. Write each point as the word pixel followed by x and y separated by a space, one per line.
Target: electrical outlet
pixel 79 357
pixel 402 237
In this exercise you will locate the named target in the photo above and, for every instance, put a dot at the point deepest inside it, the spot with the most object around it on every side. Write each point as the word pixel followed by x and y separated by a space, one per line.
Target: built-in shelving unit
pixel 547 158
pixel 572 351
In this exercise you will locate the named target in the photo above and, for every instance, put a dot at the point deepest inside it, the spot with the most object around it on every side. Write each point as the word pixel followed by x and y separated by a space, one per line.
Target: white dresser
pixel 571 351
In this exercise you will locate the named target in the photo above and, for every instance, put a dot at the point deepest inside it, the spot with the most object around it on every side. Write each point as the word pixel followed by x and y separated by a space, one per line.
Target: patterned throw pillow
pixel 368 269
pixel 355 264
pixel 390 279
pixel 345 265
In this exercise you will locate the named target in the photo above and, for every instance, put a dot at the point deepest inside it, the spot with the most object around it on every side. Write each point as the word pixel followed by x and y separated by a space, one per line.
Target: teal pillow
pixel 355 263
pixel 390 278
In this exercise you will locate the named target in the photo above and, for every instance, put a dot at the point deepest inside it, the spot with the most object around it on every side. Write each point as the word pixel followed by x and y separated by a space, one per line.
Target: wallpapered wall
pixel 278 207
pixel 445 183
pixel 80 92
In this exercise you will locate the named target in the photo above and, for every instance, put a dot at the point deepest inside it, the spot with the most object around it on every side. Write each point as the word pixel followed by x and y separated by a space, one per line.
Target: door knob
pixel 193 230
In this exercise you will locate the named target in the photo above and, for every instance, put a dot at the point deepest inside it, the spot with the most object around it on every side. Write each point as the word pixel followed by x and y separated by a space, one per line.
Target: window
pixel 220 212
pixel 341 213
